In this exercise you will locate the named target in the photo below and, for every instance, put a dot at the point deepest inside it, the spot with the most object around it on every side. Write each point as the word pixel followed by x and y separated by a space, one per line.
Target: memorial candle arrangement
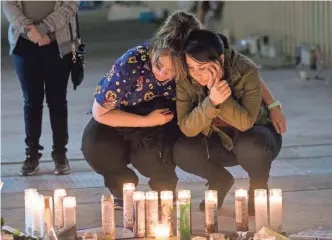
pixel 139 212
pixel 59 195
pixel 128 212
pixel 241 210
pixel 166 199
pixel 152 212
pixel 107 216
pixel 261 209
pixel 276 210
pixel 183 211
pixel 69 211
pixel 211 212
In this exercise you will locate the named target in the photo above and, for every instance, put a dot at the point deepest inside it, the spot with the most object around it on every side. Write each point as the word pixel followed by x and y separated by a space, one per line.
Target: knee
pixel 253 148
pixel 186 148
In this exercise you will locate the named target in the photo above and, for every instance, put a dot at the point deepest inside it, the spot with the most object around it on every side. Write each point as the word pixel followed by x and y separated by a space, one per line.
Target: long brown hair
pixel 170 38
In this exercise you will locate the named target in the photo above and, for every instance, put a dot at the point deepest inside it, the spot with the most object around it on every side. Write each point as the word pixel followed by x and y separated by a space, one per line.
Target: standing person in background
pixel 40 44
pixel 210 13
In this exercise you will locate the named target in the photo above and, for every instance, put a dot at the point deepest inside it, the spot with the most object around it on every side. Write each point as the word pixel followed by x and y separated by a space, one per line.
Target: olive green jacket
pixel 242 110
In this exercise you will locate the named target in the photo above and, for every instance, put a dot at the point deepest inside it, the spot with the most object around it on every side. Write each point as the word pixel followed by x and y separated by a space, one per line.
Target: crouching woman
pixel 221 113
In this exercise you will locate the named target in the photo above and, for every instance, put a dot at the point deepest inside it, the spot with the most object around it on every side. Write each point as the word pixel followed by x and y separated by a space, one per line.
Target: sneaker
pixel 61 164
pixel 30 165
pixel 118 204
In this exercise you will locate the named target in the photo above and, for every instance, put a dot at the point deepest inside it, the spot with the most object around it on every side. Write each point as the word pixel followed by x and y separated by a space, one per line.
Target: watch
pixel 275 104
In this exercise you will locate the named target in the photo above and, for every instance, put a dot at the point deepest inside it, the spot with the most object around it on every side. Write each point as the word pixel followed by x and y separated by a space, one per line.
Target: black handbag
pixel 78 53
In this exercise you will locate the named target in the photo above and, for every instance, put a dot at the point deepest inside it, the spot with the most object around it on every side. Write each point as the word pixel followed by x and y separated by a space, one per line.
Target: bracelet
pixel 275 104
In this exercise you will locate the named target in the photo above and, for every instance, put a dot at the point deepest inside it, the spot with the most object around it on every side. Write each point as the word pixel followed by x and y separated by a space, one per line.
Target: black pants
pixel 254 150
pixel 109 154
pixel 41 70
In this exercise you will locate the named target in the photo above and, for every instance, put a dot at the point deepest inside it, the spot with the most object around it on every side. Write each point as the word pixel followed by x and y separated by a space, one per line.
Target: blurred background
pixel 291 41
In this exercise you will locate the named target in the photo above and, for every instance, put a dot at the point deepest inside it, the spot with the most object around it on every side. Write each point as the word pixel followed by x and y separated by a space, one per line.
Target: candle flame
pixel 69 202
pixel 152 195
pixel 60 193
pixel 129 186
pixel 184 194
pixel 139 195
pixel 166 195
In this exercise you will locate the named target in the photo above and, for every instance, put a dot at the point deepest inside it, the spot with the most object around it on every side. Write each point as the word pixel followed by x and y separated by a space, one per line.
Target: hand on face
pixel 219 89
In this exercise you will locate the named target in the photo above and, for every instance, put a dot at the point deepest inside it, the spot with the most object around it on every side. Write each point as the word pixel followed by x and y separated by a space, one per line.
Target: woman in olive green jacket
pixel 221 113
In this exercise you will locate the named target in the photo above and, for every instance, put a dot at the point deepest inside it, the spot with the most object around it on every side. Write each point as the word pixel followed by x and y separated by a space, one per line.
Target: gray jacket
pixel 57 22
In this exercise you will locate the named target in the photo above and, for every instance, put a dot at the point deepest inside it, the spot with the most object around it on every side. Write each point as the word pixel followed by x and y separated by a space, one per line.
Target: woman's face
pixel 202 71
pixel 163 69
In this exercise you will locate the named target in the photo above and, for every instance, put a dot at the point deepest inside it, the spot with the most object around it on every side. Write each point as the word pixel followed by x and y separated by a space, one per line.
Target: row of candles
pixel 141 212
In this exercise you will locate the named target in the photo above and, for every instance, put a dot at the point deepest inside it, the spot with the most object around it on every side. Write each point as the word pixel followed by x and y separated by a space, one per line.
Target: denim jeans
pixel 42 71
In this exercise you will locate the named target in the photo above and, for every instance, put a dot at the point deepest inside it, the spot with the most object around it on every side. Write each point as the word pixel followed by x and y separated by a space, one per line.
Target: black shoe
pixel 30 165
pixel 61 164
pixel 118 204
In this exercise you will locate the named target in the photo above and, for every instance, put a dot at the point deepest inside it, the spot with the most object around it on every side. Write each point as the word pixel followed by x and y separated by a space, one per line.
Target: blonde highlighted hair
pixel 171 37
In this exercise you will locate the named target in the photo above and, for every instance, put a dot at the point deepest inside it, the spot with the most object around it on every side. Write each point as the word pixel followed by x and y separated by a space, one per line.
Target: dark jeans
pixel 254 150
pixel 41 70
pixel 106 151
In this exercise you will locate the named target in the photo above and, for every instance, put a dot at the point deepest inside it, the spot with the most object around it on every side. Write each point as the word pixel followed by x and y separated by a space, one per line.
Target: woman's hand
pixel 160 117
pixel 219 90
pixel 278 119
pixel 44 41
pixel 33 34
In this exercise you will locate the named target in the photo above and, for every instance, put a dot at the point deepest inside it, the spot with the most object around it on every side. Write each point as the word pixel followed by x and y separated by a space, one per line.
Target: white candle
pixel 183 211
pixel 69 211
pixel 161 231
pixel 139 209
pixel 107 216
pixel 276 210
pixel 38 229
pixel 152 212
pixel 211 211
pixel 261 208
pixel 48 212
pixel 128 212
pixel 29 195
pixel 167 209
pixel 59 194
pixel 241 210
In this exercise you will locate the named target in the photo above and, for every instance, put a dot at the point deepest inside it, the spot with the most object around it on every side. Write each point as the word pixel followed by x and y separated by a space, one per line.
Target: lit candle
pixel 261 208
pixel 241 210
pixel 211 211
pixel 139 210
pixel 161 231
pixel 59 194
pixel 107 216
pixel 38 229
pixel 217 236
pixel 167 209
pixel 69 211
pixel 29 195
pixel 152 212
pixel 198 238
pixel 48 212
pixel 183 215
pixel 128 212
pixel 276 210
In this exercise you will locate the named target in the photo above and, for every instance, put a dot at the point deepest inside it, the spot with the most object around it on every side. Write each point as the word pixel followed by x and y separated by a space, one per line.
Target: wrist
pixel 275 104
